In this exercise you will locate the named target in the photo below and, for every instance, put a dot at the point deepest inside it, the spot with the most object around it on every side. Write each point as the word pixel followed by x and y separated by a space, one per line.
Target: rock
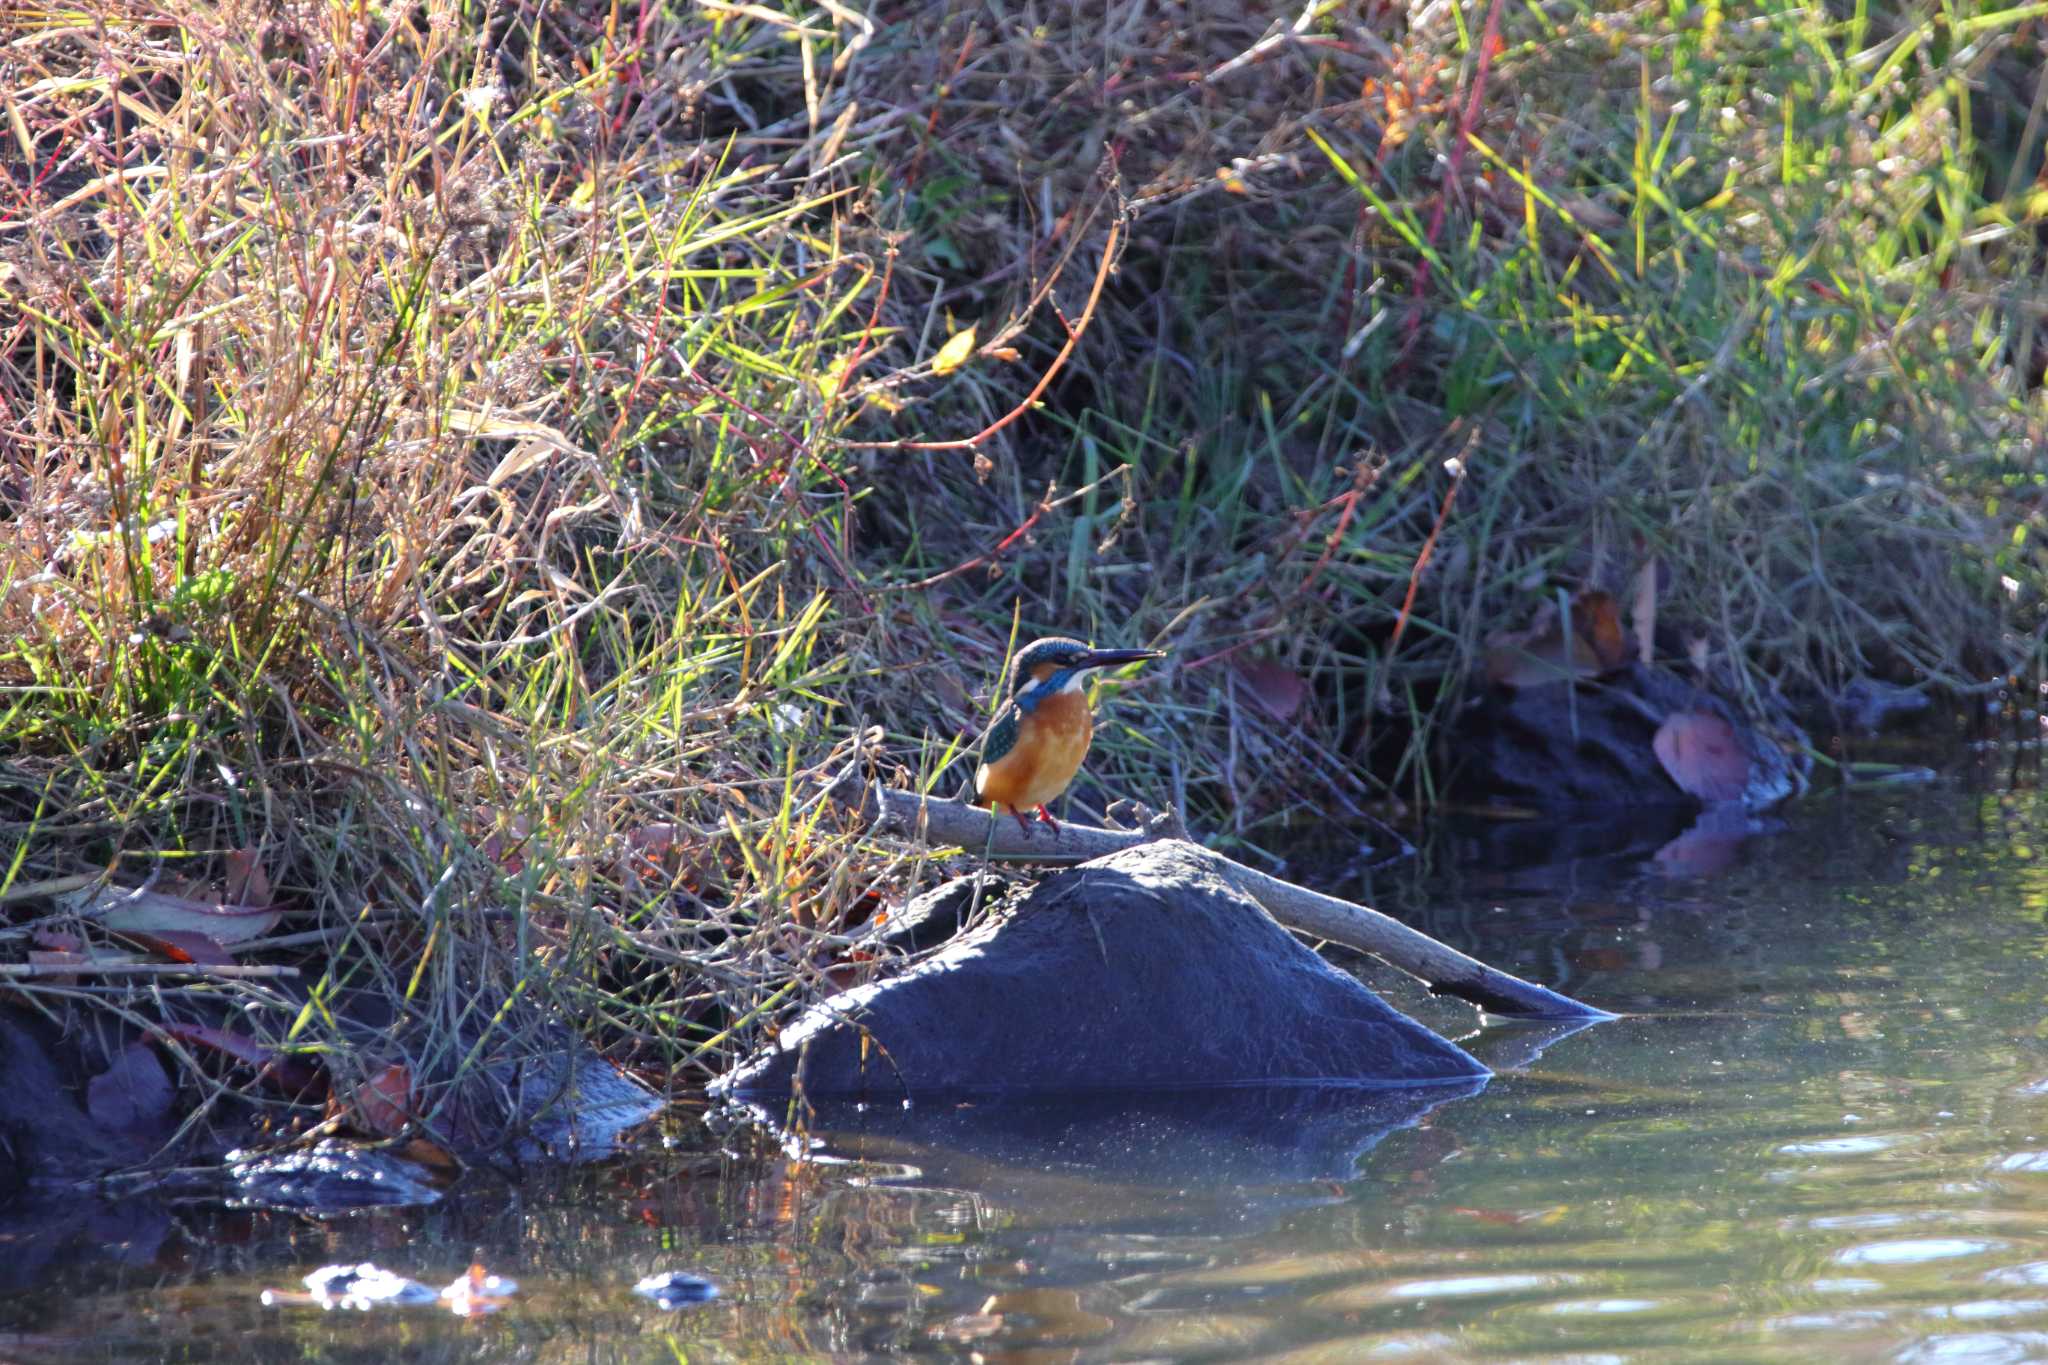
pixel 1577 745
pixel 1138 971
pixel 329 1179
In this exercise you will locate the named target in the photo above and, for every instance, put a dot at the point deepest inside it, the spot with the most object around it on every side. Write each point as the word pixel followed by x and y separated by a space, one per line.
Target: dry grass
pixel 486 464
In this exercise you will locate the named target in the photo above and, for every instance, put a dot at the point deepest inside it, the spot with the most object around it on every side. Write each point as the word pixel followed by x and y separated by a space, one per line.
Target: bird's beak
pixel 1111 658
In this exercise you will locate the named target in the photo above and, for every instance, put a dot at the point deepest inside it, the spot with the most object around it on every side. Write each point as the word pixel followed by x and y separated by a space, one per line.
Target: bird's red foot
pixel 1022 823
pixel 1046 816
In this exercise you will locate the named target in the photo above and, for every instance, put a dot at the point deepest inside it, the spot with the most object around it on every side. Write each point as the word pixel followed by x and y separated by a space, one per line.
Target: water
pixel 1821 1135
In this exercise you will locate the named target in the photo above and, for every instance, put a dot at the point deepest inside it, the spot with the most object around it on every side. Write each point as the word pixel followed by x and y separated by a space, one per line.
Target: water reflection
pixel 1818 1136
pixel 1241 1135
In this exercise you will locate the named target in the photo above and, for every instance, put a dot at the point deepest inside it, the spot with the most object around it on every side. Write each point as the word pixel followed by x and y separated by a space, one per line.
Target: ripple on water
pixel 1861 1145
pixel 2027 1272
pixel 1978 1348
pixel 1914 1250
pixel 2023 1163
pixel 1444 1287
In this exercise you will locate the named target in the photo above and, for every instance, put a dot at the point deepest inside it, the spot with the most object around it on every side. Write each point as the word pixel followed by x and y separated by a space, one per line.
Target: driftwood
pixel 1445 970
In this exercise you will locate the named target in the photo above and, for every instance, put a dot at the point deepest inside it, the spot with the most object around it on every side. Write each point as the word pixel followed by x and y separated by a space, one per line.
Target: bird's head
pixel 1048 667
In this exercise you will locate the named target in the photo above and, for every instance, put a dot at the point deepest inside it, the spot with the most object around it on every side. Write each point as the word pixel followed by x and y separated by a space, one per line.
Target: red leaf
pixel 180 946
pixel 134 1092
pixel 1702 755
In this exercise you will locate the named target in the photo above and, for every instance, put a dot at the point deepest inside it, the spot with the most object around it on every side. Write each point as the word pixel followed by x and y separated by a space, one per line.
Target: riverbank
pixel 474 475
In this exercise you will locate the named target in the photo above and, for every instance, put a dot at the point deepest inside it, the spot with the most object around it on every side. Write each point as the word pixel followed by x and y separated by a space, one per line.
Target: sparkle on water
pixel 1821 1133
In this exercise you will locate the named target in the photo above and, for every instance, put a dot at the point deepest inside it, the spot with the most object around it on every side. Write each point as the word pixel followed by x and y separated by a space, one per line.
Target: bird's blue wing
pixel 1002 736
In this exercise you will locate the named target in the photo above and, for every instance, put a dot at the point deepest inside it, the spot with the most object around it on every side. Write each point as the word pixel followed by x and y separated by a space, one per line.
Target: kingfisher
pixel 1038 740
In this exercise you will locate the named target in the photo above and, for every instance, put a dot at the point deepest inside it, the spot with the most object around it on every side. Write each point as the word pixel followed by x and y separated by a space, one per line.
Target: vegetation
pixel 477 466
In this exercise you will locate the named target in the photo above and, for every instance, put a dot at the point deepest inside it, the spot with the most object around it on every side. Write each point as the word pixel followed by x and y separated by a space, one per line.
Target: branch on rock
pixel 939 821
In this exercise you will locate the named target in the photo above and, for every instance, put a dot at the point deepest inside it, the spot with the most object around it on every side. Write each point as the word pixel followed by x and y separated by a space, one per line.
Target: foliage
pixel 485 464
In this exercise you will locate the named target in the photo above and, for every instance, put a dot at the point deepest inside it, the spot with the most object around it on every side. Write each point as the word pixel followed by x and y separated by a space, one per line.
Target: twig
pixel 1074 332
pixel 1048 503
pixel 30 970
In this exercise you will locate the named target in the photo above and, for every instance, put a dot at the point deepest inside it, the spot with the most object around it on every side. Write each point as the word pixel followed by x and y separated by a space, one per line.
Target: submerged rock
pixel 1139 971
pixel 1612 743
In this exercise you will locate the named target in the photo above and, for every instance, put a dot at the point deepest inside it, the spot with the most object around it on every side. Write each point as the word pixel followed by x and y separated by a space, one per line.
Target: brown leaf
pixel 157 912
pixel 436 1158
pixel 1541 654
pixel 383 1104
pixel 1702 755
pixel 133 1092
pixel 1278 690
pixel 247 884
pixel 1596 620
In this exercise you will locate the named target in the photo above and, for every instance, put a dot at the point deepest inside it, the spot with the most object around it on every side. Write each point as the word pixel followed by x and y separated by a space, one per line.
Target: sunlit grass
pixel 491 464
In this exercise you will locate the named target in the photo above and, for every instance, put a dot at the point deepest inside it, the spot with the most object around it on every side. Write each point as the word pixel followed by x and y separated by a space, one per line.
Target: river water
pixel 1819 1134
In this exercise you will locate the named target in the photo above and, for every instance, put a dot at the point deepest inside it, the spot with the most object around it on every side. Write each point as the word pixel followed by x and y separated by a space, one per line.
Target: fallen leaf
pixel 180 946
pixel 1702 755
pixel 954 353
pixel 134 1092
pixel 1541 654
pixel 286 1073
pixel 156 912
pixel 247 883
pixel 383 1104
pixel 430 1154
pixel 1278 690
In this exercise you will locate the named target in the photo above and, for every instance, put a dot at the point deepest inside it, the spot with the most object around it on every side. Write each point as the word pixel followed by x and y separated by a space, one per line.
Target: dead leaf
pixel 1278 689
pixel 1541 654
pixel 285 1073
pixel 134 1092
pixel 1702 755
pixel 247 882
pixel 954 353
pixel 179 946
pixel 383 1104
pixel 1643 611
pixel 157 912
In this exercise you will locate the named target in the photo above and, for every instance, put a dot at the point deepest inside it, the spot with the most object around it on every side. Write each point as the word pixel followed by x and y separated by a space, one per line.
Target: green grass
pixel 488 464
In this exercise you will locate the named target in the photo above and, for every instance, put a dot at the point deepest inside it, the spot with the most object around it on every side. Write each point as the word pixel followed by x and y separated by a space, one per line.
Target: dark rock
pixel 1139 971
pixel 329 1178
pixel 1565 745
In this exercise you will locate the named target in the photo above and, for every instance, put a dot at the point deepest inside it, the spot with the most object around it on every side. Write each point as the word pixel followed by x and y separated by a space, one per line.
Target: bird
pixel 1038 740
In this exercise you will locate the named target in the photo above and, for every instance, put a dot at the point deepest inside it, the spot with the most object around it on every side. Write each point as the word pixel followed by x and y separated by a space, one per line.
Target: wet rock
pixel 1138 971
pixel 331 1177
pixel 47 1137
pixel 1594 744
pixel 672 1289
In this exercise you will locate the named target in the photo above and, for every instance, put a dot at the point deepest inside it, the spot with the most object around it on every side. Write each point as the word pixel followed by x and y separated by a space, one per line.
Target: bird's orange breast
pixel 1051 742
